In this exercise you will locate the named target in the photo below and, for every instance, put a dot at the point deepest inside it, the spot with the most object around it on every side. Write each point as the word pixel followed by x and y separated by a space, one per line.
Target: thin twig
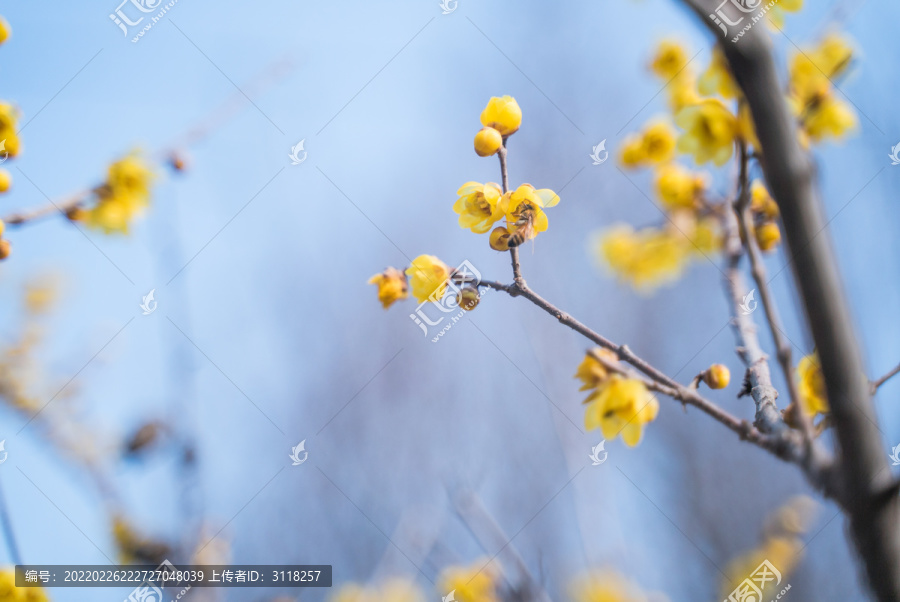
pixel 504 180
pixel 885 378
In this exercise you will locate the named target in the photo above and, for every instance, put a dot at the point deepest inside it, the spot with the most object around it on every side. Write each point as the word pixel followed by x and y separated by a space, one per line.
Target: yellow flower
pixel 709 131
pixel 656 144
pixel 9 116
pixel 829 117
pixel 620 405
pixel 503 114
pixel 669 60
pixel 5 249
pixel 5 180
pixel 124 196
pixel 746 128
pixel 833 55
pixel 761 202
pixel 717 376
pixel 705 236
pixel 768 236
pixel 591 372
pixel 811 386
pixel 469 584
pixel 524 210
pixel 392 286
pixel 400 590
pixel 487 142
pixel 682 92
pixel 647 258
pixel 717 77
pixel 5 30
pixel 428 278
pixel 678 187
pixel 605 586
pixel 478 206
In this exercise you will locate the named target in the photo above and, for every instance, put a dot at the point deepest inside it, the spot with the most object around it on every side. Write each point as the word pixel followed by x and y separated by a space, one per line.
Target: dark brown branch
pixel 875 527
pixel 876 384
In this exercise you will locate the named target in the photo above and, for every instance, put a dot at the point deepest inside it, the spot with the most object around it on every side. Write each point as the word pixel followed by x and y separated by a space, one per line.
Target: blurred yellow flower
pixel 392 286
pixel 829 117
pixel 709 131
pixel 5 30
pixel 478 206
pixel 646 258
pixel 5 249
pixel 5 180
pixel 428 278
pixel 124 196
pixel 768 235
pixel 761 202
pixel 620 405
pixel 678 187
pixel 669 60
pixel 487 142
pixel 9 139
pixel 811 386
pixel 812 93
pixel 503 114
pixel 591 372
pixel 717 78
pixel 655 144
pixel 606 586
pixel 745 126
pixel 683 92
pixel 475 583
pixel 10 593
pixel 717 376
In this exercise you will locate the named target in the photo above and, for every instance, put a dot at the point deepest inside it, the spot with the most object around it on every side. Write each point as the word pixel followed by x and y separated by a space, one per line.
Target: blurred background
pixel 267 335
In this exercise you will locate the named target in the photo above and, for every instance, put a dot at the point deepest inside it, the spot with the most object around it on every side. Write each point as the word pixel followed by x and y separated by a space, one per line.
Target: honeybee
pixel 524 227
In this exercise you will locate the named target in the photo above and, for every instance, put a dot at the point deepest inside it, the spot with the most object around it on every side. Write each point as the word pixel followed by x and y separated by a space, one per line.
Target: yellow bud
pixel 500 239
pixel 487 142
pixel 2 227
pixel 468 298
pixel 503 114
pixel 77 214
pixel 5 180
pixel 768 236
pixel 717 376
pixel 4 30
pixel 5 249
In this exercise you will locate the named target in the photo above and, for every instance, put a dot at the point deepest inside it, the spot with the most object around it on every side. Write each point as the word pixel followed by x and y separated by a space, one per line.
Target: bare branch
pixel 876 384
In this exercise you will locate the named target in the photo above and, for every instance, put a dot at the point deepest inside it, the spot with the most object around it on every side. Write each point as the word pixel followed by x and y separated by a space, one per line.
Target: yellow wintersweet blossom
pixel 591 372
pixel 768 235
pixel 655 144
pixel 829 117
pixel 487 142
pixel 811 386
pixel 9 139
pixel 5 180
pixel 645 258
pixel 683 91
pixel 475 583
pixel 670 59
pixel 124 196
pixel 10 593
pixel 525 217
pixel 678 187
pixel 745 126
pixel 392 286
pixel 620 405
pixel 717 78
pixel 503 114
pixel 5 30
pixel 428 278
pixel 607 586
pixel 761 202
pixel 709 131
pixel 499 239
pixel 478 206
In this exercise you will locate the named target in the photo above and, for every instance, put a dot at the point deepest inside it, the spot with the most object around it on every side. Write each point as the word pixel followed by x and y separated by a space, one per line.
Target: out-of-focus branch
pixel 52 208
pixel 874 521
pixel 877 383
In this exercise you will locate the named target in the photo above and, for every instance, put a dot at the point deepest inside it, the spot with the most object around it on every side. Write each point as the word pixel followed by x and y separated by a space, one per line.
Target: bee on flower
pixel 525 217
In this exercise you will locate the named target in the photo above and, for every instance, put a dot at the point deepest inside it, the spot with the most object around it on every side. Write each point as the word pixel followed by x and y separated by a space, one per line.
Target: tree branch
pixel 874 522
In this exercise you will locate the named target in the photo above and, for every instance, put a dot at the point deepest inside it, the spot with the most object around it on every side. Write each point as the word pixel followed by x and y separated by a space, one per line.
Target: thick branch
pixel 874 522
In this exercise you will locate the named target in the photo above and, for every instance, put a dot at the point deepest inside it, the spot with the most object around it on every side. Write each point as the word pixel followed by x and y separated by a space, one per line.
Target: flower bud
pixel 717 376
pixel 487 142
pixel 5 249
pixel 500 239
pixel 5 180
pixel 468 298
pixel 503 114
